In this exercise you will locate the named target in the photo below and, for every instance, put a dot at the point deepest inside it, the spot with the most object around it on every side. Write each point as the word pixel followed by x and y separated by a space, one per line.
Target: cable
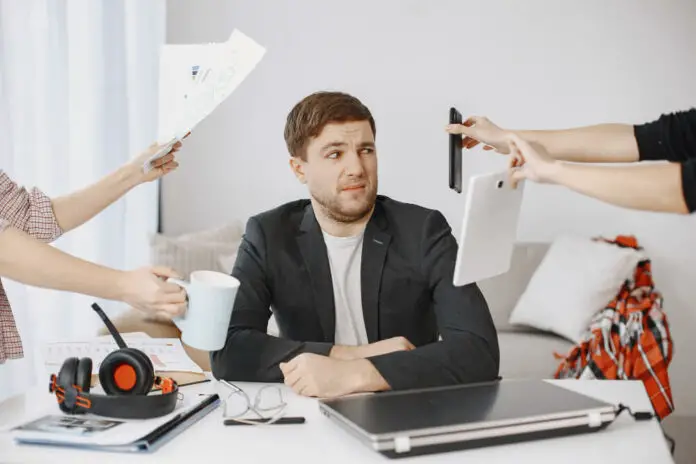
pixel 645 415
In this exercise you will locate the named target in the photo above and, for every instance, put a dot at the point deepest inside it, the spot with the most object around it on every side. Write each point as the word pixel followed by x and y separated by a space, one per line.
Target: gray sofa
pixel 524 352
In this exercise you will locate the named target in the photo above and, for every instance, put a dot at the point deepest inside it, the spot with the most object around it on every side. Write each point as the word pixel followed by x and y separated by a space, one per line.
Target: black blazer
pixel 408 261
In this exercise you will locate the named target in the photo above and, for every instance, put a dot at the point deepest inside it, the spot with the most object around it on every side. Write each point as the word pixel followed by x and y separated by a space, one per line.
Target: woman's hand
pixel 160 166
pixel 146 289
pixel 530 161
pixel 479 129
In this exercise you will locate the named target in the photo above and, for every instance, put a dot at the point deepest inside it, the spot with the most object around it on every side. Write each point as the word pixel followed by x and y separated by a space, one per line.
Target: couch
pixel 524 352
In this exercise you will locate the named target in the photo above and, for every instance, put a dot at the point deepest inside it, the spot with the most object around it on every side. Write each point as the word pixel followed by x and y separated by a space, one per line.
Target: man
pixel 360 284
pixel 559 156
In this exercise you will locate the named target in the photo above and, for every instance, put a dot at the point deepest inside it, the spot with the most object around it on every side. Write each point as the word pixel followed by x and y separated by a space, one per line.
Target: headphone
pixel 126 375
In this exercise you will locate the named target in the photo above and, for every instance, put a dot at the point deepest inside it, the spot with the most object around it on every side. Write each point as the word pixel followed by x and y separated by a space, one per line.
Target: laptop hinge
pixel 402 444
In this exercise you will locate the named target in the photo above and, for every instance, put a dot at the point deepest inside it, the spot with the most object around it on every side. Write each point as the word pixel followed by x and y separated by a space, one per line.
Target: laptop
pixel 489 228
pixel 424 421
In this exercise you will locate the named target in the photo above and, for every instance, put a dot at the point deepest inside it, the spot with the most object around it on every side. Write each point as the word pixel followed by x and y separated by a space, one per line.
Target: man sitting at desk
pixel 360 284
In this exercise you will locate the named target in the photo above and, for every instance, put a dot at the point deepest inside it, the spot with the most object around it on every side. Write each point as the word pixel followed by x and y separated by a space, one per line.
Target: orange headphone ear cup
pixel 126 372
pixel 67 377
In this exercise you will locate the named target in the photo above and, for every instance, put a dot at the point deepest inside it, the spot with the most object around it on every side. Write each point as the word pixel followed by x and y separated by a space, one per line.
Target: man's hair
pixel 308 118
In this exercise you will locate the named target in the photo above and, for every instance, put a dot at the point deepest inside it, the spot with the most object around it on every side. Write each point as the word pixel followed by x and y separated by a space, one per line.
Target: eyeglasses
pixel 269 399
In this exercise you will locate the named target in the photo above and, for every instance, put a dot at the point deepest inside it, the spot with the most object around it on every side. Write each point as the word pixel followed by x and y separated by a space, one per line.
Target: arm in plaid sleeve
pixel 28 210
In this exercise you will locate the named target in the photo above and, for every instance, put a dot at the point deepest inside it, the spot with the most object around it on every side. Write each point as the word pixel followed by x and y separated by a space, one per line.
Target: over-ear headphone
pixel 127 377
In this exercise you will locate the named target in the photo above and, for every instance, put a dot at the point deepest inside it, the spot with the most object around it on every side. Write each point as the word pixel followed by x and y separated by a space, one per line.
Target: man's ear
pixel 297 166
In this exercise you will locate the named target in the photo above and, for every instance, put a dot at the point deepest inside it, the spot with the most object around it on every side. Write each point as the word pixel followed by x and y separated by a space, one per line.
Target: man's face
pixel 341 170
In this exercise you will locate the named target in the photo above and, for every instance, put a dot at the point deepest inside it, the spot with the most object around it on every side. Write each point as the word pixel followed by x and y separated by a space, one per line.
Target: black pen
pixel 195 382
pixel 281 421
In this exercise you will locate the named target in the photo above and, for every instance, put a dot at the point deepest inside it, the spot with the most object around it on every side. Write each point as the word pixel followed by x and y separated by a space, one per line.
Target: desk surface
pixel 320 440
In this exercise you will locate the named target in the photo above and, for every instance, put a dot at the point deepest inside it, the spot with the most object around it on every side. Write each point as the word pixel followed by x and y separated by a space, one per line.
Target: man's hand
pixel 479 129
pixel 530 161
pixel 389 345
pixel 310 374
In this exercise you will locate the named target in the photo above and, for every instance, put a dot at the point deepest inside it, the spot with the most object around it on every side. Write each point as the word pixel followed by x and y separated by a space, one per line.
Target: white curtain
pixel 78 98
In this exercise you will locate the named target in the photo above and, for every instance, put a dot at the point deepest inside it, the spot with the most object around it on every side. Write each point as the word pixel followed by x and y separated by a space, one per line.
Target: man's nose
pixel 353 164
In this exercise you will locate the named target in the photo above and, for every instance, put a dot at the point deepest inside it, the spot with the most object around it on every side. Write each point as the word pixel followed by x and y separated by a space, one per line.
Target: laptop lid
pixel 481 410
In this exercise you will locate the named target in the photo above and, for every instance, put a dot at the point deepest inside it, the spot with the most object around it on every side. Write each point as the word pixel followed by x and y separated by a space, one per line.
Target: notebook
pixel 105 434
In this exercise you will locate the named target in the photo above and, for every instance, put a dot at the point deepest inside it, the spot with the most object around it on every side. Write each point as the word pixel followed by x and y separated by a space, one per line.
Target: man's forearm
pixel 367 377
pixel 649 187
pixel 601 143
pixel 31 262
pixel 79 207
pixel 345 353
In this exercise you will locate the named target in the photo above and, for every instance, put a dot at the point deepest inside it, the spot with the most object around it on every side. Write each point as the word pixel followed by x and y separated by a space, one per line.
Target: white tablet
pixel 489 228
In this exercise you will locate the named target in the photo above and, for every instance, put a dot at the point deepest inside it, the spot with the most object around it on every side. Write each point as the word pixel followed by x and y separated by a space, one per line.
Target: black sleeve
pixel 250 354
pixel 468 351
pixel 671 137
pixel 688 177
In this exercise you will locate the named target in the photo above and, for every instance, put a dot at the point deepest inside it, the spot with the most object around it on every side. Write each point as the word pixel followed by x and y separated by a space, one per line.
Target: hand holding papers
pixel 195 79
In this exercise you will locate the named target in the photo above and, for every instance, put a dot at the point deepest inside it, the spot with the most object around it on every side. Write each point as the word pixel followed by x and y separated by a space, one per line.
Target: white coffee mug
pixel 210 298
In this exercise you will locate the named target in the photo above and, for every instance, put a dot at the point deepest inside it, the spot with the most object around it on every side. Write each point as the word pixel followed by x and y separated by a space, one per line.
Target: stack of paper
pixel 195 79
pixel 167 354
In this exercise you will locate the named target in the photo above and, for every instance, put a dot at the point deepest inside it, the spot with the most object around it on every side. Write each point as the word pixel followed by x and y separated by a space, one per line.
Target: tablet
pixel 489 228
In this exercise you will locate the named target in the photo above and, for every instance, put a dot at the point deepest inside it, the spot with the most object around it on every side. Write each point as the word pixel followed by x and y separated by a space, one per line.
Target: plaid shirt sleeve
pixel 32 212
pixel 27 210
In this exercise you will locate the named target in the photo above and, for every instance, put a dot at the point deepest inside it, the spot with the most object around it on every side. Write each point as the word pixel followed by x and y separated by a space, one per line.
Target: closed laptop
pixel 412 422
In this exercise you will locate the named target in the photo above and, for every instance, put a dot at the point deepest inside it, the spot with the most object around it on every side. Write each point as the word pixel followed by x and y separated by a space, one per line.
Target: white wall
pixel 533 64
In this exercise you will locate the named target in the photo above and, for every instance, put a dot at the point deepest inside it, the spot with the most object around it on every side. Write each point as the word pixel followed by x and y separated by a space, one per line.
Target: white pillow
pixel 577 277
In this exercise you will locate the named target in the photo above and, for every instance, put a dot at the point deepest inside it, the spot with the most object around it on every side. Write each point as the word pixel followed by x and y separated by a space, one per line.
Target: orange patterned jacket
pixel 628 340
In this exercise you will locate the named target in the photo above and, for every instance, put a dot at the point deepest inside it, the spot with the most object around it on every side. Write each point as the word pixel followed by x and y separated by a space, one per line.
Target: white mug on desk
pixel 210 298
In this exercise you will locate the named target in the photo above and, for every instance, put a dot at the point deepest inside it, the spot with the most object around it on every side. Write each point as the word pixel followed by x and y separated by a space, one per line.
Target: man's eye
pixel 333 155
pixel 367 151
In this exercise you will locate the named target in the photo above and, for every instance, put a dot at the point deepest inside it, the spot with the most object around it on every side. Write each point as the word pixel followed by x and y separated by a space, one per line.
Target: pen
pixel 194 383
pixel 281 421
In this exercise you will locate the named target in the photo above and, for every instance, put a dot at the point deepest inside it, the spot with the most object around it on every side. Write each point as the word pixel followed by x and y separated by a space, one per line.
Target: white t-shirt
pixel 345 257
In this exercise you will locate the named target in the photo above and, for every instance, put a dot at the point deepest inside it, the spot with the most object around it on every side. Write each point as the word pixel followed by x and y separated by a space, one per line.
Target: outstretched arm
pixel 651 187
pixel 660 187
pixel 29 261
pixel 600 143
pixel 75 209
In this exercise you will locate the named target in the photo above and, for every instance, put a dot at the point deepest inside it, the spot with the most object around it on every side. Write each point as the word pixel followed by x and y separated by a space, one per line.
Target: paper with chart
pixel 195 79
pixel 166 354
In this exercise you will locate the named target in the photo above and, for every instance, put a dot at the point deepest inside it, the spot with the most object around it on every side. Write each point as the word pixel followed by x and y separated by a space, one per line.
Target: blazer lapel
pixel 375 245
pixel 313 250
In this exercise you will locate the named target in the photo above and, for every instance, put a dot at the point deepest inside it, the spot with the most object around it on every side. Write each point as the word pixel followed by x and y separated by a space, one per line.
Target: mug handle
pixel 180 320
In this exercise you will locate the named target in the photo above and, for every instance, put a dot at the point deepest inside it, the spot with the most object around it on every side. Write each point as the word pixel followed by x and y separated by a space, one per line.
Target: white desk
pixel 320 440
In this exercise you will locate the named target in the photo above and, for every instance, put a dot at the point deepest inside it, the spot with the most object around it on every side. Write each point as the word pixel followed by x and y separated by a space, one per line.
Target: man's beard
pixel 333 209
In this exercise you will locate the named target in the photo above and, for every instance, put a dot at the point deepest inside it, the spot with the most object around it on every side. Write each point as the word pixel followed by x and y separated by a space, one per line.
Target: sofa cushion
pixel 530 355
pixel 503 291
pixel 577 277
pixel 209 249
